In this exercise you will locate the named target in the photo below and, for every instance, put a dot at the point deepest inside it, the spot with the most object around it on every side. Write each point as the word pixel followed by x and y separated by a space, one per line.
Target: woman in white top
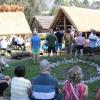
pixel 20 87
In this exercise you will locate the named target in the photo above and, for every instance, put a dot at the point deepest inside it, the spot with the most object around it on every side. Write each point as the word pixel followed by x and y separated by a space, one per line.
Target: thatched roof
pixel 13 23
pixel 82 19
pixel 44 21
pixel 11 8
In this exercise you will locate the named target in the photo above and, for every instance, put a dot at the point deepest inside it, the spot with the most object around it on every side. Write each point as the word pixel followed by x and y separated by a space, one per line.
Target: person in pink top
pixel 79 44
pixel 73 88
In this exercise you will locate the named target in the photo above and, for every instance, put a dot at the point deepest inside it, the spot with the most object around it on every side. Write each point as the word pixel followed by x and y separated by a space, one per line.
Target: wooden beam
pixel 64 22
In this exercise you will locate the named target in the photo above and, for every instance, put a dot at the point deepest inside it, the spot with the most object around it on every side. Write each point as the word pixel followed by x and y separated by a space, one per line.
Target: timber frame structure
pixel 82 19
pixel 41 23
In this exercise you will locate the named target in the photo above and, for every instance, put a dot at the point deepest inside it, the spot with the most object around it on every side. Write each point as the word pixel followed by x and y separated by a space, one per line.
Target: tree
pixel 85 4
pixel 95 5
pixel 32 7
pixel 75 3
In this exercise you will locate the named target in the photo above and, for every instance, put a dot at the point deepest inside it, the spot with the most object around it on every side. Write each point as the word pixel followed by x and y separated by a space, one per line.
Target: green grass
pixel 59 72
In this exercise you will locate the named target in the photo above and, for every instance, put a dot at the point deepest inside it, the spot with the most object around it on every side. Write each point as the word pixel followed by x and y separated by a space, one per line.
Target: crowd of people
pixel 44 86
pixel 13 43
pixel 72 41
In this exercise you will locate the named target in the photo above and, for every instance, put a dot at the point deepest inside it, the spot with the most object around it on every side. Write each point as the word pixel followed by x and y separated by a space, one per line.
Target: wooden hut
pixel 13 21
pixel 81 19
pixel 41 23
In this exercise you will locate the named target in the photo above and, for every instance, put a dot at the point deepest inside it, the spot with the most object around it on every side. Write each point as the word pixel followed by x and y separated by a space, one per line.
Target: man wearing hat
pixel 44 86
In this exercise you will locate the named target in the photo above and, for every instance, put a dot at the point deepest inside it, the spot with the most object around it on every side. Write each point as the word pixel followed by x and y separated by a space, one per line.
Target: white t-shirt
pixel 19 86
pixel 3 44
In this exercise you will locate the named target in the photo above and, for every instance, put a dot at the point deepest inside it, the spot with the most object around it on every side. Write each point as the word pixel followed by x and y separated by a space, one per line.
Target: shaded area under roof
pixel 44 21
pixel 82 19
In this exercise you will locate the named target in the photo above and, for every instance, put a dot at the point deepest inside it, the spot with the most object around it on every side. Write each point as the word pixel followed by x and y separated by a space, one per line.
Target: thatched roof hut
pixel 13 21
pixel 41 23
pixel 81 19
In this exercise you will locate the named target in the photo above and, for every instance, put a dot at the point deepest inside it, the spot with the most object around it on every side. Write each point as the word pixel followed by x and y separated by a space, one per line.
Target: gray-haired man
pixel 44 86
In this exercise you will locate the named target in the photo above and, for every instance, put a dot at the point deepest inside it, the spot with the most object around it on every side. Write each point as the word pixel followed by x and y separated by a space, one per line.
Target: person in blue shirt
pixel 92 43
pixel 35 46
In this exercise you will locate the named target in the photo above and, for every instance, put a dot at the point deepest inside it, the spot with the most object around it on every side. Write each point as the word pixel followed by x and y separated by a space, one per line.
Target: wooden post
pixel 86 35
pixel 64 23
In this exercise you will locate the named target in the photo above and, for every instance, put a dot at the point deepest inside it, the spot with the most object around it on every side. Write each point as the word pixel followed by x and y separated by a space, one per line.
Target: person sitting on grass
pixel 73 88
pixel 44 86
pixel 4 82
pixel 20 87
pixel 45 47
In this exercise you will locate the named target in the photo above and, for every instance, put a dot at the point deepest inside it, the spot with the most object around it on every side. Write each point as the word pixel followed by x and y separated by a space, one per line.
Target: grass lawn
pixel 59 72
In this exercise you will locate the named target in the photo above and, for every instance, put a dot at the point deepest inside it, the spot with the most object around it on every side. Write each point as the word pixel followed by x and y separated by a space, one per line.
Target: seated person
pixel 73 88
pixel 44 86
pixel 4 82
pixel 45 47
pixel 20 86
pixel 98 94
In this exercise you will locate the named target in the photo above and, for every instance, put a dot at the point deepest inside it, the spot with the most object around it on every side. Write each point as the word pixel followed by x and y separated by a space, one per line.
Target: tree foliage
pixel 95 5
pixel 35 7
pixel 85 4
pixel 32 7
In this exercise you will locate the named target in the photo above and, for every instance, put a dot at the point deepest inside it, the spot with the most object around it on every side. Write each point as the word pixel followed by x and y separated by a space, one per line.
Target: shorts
pixel 51 49
pixel 92 50
pixel 35 51
pixel 59 46
pixel 78 47
pixel 69 48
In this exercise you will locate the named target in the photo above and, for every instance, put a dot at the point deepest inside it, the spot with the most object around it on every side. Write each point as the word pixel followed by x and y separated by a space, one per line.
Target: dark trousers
pixel 3 86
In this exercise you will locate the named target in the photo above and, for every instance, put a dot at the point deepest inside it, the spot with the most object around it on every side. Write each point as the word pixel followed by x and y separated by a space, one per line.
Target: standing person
pixel 51 43
pixel 80 41
pixel 92 43
pixel 4 82
pixel 73 88
pixel 35 46
pixel 59 36
pixel 68 42
pixel 4 45
pixel 20 87
pixel 98 42
pixel 44 86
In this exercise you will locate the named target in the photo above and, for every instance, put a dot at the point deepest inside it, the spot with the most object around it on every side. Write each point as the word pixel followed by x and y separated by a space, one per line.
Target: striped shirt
pixel 44 86
pixel 19 86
